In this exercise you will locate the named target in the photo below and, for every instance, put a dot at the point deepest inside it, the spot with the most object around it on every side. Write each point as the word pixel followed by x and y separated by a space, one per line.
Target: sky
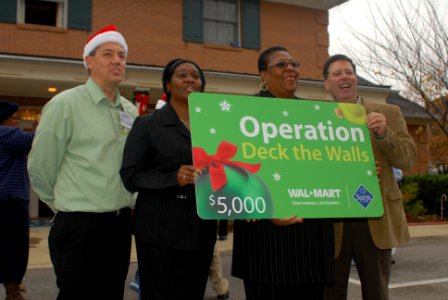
pixel 356 14
pixel 353 13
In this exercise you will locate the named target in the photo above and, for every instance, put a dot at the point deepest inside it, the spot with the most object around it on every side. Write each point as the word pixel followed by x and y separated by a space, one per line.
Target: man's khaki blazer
pixel 396 149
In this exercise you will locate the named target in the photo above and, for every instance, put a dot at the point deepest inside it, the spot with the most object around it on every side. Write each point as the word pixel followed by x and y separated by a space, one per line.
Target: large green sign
pixel 276 158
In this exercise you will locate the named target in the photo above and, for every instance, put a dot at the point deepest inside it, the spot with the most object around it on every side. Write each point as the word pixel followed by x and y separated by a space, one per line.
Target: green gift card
pixel 276 158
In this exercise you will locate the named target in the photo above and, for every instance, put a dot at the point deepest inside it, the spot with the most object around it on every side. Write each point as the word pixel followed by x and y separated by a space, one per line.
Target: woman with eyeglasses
pixel 289 258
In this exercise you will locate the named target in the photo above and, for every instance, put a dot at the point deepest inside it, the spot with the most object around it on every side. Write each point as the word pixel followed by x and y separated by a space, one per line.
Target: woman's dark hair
pixel 334 58
pixel 263 59
pixel 168 72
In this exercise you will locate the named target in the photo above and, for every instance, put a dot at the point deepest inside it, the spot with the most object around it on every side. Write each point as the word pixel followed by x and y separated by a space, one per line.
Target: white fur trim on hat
pixel 105 35
pixel 160 103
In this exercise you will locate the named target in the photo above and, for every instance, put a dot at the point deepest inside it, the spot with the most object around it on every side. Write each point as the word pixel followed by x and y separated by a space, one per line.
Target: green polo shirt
pixel 77 151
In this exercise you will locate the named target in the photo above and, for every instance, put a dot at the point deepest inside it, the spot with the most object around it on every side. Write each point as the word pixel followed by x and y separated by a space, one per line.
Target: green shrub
pixel 412 206
pixel 424 192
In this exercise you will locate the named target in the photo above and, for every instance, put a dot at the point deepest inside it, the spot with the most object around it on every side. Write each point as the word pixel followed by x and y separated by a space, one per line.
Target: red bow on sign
pixel 215 163
pixel 142 99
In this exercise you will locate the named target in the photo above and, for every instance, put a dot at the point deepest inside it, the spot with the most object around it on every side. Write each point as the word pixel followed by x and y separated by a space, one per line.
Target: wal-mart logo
pixel 363 196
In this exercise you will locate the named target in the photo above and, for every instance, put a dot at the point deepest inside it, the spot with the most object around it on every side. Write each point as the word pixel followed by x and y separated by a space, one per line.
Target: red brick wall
pixel 302 31
pixel 153 30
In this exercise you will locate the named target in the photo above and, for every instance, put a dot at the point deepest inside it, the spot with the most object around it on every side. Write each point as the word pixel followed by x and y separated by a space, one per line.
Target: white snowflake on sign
pixel 277 177
pixel 225 106
pixel 285 113
pixel 316 107
pixel 369 173
pixel 212 130
pixel 198 109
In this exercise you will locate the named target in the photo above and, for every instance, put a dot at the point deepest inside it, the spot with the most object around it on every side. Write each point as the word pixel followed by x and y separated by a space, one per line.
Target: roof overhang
pixel 28 76
pixel 317 4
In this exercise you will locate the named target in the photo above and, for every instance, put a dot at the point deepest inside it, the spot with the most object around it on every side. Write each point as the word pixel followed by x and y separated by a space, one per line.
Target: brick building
pixel 157 31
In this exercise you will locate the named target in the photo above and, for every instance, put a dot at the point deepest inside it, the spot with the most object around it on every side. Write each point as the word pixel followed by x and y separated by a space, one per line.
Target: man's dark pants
pixel 373 264
pixel 90 254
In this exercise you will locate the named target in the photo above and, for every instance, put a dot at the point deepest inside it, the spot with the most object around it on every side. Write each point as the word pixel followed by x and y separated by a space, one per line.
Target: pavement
pixel 430 282
pixel 40 258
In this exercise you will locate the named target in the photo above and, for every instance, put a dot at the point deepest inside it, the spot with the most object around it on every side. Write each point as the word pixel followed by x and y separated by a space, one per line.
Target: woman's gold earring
pixel 264 86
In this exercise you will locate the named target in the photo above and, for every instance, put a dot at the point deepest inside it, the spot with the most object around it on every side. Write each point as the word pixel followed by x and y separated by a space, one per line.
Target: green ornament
pixel 244 196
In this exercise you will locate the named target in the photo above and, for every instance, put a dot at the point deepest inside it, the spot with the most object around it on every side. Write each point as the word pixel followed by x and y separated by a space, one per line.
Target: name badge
pixel 126 119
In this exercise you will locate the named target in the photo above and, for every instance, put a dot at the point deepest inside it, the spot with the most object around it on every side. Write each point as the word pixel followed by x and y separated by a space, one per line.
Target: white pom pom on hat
pixel 105 35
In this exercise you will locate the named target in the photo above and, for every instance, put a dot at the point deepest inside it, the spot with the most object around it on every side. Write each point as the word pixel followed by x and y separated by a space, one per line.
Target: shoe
pixel 392 254
pixel 224 296
pixel 13 291
pixel 222 237
pixel 134 286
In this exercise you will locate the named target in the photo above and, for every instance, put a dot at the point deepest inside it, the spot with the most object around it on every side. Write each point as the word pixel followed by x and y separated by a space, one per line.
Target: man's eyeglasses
pixel 284 64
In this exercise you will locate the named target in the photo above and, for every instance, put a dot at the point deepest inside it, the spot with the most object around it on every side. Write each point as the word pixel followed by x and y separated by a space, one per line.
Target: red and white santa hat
pixel 105 35
pixel 161 102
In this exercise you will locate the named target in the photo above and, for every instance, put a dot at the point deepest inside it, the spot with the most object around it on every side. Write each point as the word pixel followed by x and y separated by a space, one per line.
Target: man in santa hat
pixel 74 168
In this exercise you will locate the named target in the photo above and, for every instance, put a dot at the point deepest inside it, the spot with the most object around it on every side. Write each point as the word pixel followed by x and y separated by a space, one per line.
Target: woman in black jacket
pixel 174 246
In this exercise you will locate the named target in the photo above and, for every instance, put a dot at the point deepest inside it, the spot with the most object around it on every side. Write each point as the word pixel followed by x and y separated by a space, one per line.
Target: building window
pixel 225 22
pixel 221 22
pixel 43 12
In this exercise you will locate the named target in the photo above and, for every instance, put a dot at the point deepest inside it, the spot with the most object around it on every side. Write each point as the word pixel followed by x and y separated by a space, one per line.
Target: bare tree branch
pixel 408 48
